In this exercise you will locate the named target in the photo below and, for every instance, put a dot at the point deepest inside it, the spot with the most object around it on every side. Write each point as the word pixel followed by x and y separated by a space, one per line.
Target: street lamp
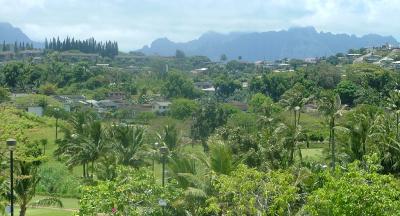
pixel 11 144
pixel 56 109
pixel 164 152
pixel 296 112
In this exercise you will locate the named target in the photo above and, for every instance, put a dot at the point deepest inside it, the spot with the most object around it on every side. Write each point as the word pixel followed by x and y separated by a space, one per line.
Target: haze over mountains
pixel 300 42
pixel 10 34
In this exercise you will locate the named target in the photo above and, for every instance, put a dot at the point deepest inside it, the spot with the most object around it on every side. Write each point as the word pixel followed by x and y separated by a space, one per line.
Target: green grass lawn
pixel 313 154
pixel 46 212
pixel 70 206
pixel 68 203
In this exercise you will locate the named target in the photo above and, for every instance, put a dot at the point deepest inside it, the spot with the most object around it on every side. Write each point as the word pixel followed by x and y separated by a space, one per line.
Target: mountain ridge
pixel 295 42
pixel 10 34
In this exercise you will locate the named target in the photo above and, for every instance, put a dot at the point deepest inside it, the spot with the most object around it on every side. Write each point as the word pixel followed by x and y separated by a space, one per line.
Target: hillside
pixel 10 34
pixel 293 43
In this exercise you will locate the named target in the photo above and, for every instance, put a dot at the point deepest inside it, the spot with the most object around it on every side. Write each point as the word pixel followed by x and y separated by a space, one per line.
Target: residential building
pixel 161 107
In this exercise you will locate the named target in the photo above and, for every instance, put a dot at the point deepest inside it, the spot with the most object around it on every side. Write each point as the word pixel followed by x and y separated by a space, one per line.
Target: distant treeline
pixel 16 46
pixel 108 49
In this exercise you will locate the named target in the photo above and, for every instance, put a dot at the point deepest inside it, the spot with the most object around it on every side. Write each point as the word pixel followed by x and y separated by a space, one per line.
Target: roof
pixel 202 69
pixel 107 103
pixel 142 107
pixel 212 89
pixel 240 105
pixel 164 103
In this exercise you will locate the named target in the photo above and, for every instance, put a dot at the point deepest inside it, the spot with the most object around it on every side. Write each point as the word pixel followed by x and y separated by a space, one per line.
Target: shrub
pixel 56 179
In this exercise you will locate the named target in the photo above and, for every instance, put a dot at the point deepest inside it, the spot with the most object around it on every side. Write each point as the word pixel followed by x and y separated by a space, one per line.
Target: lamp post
pixel 11 144
pixel 296 112
pixel 164 152
pixel 56 116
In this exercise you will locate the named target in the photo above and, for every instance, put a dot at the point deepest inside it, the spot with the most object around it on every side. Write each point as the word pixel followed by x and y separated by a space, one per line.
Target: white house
pixel 160 107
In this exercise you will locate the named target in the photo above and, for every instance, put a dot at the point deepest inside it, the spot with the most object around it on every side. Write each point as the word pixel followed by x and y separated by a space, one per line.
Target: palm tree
pixel 331 107
pixel 128 142
pixel 183 169
pixel 94 142
pixel 220 158
pixel 289 136
pixel 384 136
pixel 195 185
pixel 71 145
pixel 4 189
pixel 394 105
pixel 29 158
pixel 294 99
pixel 170 137
pixel 359 126
pixel 25 185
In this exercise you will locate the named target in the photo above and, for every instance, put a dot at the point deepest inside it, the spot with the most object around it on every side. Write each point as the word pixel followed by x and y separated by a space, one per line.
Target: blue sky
pixel 134 23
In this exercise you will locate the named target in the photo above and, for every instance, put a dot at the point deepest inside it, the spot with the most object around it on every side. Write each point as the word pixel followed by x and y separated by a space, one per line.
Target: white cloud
pixel 134 23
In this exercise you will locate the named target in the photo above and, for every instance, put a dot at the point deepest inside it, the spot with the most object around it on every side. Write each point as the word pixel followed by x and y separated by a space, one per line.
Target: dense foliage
pixel 235 138
pixel 109 49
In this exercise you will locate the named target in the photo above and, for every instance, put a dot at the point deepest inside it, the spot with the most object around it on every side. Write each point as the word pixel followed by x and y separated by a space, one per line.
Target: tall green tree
pixel 294 100
pixel 225 87
pixel 72 147
pixel 170 137
pixel 206 120
pixel 128 142
pixel 178 86
pixel 394 106
pixel 359 124
pixel 29 158
pixel 94 143
pixel 4 95
pixel 331 107
pixel 182 108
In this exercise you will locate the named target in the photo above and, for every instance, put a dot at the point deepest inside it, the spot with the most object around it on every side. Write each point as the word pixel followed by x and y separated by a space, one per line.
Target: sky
pixel 135 23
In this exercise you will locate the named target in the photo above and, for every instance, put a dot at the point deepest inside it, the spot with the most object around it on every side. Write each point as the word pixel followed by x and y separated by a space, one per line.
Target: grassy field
pixel 47 212
pixel 313 154
pixel 68 203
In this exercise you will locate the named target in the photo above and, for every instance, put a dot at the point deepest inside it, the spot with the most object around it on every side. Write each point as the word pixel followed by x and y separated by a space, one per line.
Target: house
pixel 311 107
pixel 240 105
pixel 6 56
pixel 30 53
pixel 138 108
pixel 71 101
pixel 199 71
pixel 36 110
pixel 311 60
pixel 396 65
pixel 107 104
pixel 372 58
pixel 70 56
pixel 103 65
pixel 386 61
pixel 209 90
pixel 203 85
pixel 116 95
pixel 160 107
